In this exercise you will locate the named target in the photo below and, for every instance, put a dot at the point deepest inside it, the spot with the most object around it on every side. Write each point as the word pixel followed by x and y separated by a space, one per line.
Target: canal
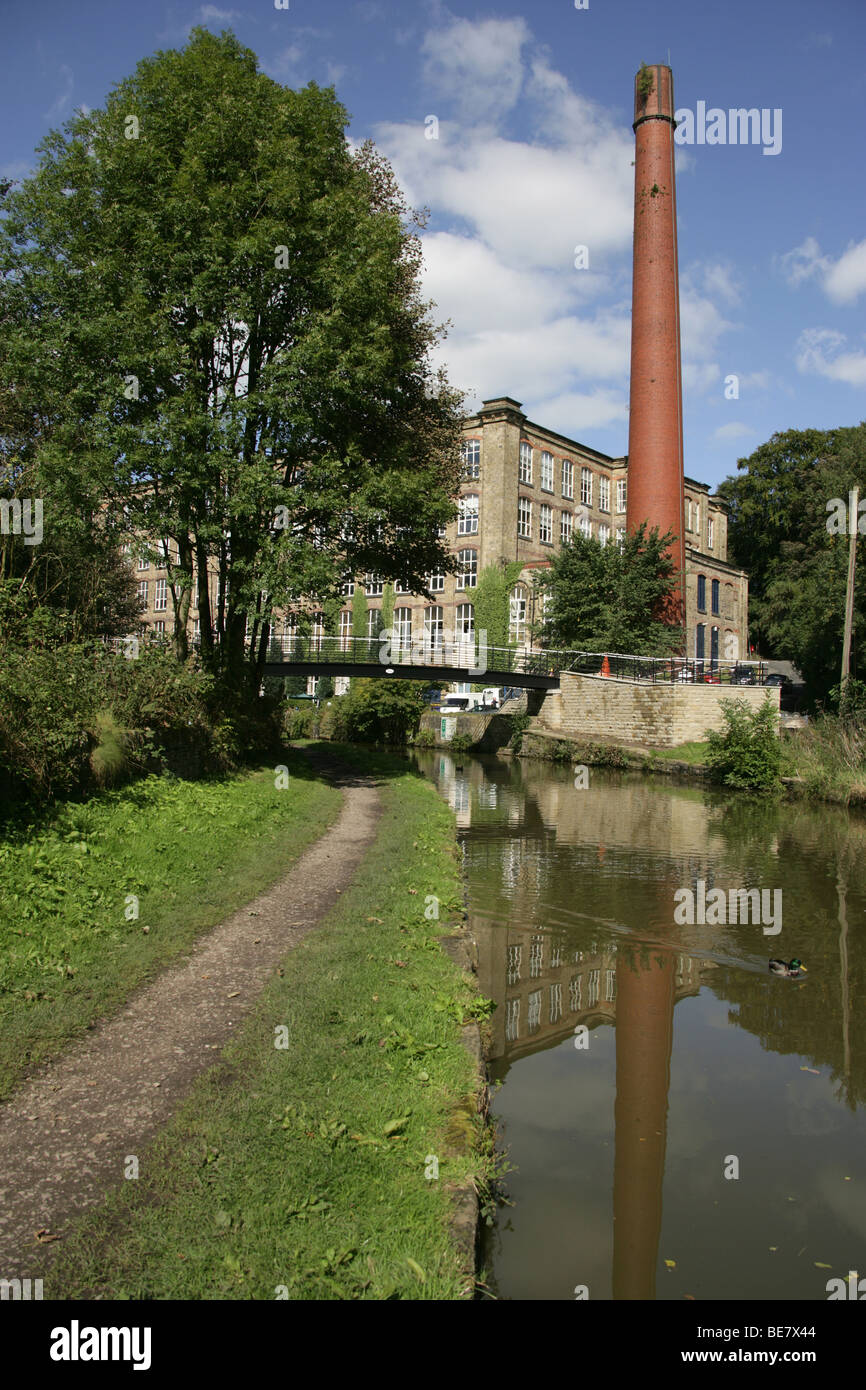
pixel 680 1122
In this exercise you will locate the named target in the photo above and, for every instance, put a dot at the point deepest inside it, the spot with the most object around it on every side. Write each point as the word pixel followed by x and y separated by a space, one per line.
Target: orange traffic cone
pixel 605 667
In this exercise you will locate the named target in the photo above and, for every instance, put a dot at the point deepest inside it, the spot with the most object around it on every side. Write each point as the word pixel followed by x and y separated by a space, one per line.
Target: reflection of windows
pixel 546 471
pixel 545 523
pixel 593 983
pixel 525 474
pixel 586 486
pixel 512 1019
pixel 513 971
pixel 467 517
pixel 533 1011
pixel 536 956
pixel 610 985
pixel 574 991
pixel 555 954
pixel 524 518
pixel 567 478
pixel 467 575
pixel 555 1003
pixel 471 451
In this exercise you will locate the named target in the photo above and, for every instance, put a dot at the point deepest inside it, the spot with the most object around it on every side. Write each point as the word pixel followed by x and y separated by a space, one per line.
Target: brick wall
pixel 634 712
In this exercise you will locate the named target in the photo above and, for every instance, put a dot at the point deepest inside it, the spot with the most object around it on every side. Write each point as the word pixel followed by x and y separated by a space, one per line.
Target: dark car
pixel 777 678
pixel 743 675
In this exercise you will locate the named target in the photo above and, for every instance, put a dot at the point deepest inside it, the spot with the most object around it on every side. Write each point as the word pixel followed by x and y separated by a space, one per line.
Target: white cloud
pixel 477 65
pixel 842 280
pixel 846 279
pixel 821 351
pixel 213 14
pixel 735 429
pixel 508 215
pixel 64 96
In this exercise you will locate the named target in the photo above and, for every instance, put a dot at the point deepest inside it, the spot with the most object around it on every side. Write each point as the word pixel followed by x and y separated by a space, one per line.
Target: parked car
pixel 743 675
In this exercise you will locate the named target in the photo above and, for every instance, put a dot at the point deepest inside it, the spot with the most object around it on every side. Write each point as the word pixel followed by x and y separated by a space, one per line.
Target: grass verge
pixel 181 855
pixel 309 1171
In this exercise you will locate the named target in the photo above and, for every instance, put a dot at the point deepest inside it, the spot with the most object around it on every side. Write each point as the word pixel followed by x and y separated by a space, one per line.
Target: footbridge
pixel 468 660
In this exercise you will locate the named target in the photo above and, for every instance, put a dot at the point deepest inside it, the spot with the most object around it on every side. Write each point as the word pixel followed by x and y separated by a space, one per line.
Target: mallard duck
pixel 790 969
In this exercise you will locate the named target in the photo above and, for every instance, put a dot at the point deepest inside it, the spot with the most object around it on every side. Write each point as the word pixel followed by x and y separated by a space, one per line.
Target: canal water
pixel 680 1122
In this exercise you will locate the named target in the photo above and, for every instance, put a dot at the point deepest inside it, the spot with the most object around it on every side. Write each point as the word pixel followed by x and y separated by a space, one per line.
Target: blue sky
pixel 533 158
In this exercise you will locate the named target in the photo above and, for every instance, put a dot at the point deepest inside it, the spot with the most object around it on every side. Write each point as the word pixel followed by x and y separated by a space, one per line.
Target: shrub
pixel 748 752
pixel 519 724
pixel 424 739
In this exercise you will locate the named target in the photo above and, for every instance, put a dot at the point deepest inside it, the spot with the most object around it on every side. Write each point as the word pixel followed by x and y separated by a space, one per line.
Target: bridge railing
pixel 676 669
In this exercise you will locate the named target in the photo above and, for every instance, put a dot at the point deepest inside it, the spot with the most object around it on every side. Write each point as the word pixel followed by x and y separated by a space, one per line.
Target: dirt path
pixel 66 1134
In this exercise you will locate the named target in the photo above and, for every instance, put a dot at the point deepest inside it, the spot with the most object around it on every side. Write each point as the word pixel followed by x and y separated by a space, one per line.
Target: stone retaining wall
pixel 659 715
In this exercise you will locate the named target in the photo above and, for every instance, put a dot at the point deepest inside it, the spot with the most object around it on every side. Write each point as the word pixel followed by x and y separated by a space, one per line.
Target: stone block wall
pixel 640 713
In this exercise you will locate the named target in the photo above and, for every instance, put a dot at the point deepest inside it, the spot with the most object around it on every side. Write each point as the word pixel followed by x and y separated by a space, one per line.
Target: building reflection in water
pixel 545 989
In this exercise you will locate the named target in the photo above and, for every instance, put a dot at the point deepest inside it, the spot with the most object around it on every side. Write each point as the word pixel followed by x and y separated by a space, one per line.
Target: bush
pixel 424 739
pixel 748 752
pixel 519 724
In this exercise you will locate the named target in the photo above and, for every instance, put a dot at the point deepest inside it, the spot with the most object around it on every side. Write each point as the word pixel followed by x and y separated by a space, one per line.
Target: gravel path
pixel 66 1134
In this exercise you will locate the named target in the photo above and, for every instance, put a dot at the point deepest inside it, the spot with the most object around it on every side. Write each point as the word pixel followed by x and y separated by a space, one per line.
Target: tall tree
pixel 211 310
pixel 788 528
pixel 611 597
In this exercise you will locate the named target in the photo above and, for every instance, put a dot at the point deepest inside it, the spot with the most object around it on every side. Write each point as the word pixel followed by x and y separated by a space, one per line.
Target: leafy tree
pixel 380 711
pixel 212 324
pixel 797 567
pixel 603 598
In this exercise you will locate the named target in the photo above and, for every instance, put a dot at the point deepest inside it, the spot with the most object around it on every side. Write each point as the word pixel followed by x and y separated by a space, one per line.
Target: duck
pixel 791 970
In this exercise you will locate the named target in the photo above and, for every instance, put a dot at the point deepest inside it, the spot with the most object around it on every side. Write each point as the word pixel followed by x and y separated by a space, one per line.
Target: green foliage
pixel 359 612
pixel 519 724
pixel 747 753
pixel 379 711
pixel 218 326
pixel 797 568
pixel 75 716
pixel 602 598
pixel 387 606
pixel 424 739
pixel 645 81
pixel 849 698
pixel 491 599
pixel 461 743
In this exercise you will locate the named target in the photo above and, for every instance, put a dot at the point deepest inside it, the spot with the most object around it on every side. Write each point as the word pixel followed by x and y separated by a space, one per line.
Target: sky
pixel 511 122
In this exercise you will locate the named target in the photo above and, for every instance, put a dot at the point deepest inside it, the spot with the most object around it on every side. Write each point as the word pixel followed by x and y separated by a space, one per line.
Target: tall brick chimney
pixel 655 434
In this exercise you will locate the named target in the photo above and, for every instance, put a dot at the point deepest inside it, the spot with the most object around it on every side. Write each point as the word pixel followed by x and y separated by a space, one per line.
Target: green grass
pixel 830 757
pixel 191 852
pixel 695 753
pixel 300 1172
